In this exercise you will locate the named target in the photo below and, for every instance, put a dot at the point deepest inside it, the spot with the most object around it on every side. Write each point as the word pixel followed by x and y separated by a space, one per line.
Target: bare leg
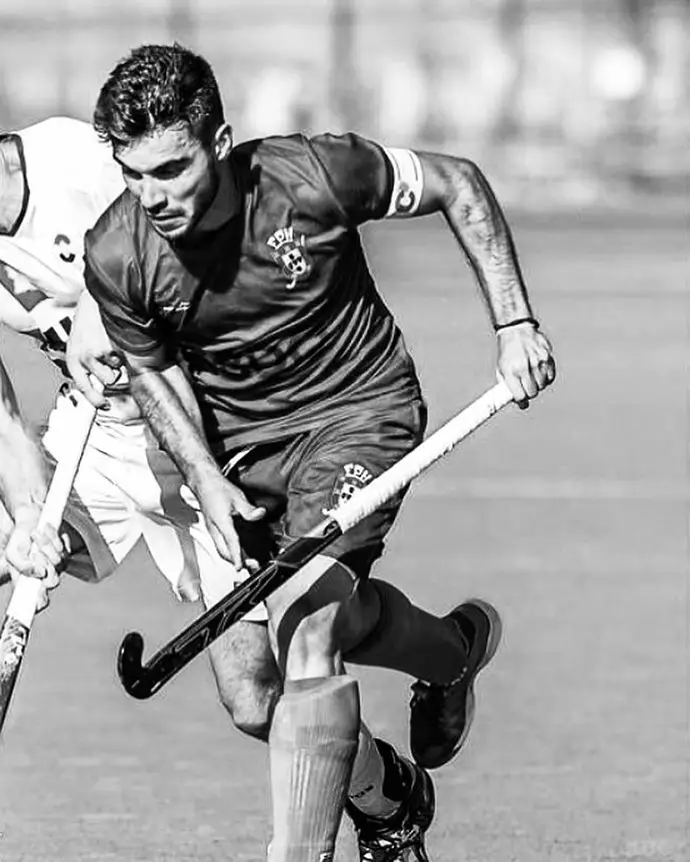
pixel 247 676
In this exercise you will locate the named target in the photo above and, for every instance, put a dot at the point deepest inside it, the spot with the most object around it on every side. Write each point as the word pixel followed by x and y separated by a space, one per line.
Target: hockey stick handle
pixel 22 605
pixel 369 498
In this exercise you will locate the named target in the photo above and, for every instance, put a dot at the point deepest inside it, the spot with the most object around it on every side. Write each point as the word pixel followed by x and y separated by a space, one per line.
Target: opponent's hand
pixel 90 353
pixel 525 361
pixel 35 553
pixel 220 501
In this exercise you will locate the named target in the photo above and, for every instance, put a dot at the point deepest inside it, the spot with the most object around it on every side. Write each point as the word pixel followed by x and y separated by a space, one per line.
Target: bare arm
pixel 457 188
pixel 24 473
pixel 24 478
pixel 168 403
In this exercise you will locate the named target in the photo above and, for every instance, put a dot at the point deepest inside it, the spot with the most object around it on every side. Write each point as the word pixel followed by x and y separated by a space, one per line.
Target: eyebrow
pixel 169 164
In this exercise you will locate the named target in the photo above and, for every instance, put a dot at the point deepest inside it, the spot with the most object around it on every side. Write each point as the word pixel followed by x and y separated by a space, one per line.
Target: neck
pixel 12 185
pixel 224 206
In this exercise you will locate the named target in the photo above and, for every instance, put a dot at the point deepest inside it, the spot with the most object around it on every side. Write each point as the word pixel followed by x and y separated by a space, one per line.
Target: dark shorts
pixel 300 479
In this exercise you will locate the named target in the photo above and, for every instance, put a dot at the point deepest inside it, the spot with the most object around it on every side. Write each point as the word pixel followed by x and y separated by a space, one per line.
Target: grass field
pixel 571 517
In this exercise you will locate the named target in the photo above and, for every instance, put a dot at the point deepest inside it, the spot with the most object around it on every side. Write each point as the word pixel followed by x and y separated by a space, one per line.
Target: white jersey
pixel 127 489
pixel 70 179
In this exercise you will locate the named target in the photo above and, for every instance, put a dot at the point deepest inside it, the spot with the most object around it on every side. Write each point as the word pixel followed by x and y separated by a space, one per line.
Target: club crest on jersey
pixel 351 478
pixel 289 252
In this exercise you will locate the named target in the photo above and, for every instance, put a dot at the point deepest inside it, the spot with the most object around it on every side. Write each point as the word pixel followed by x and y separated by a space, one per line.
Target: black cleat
pixel 441 715
pixel 399 838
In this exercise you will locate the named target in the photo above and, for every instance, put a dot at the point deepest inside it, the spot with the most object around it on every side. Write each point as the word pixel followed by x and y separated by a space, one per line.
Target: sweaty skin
pixel 458 189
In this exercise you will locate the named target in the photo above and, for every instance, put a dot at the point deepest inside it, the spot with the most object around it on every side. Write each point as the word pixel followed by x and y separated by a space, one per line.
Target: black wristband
pixel 532 320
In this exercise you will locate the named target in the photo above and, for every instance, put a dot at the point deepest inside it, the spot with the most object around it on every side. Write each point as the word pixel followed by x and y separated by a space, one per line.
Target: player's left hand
pixel 525 361
pixel 92 361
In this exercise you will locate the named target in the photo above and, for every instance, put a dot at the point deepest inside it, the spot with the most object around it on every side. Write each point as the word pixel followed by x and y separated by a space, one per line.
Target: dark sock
pixel 409 639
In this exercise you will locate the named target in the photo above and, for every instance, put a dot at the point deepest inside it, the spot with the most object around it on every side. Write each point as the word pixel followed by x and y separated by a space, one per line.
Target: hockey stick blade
pixel 143 680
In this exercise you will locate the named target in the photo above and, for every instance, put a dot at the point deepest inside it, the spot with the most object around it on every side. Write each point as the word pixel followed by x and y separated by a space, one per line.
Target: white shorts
pixel 127 489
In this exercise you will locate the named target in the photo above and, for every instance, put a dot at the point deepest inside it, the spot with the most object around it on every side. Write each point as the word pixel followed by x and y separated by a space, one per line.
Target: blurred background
pixel 572 517
pixel 573 102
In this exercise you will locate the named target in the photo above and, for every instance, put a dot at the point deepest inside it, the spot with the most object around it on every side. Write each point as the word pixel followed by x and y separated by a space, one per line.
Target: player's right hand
pixel 220 502
pixel 92 361
pixel 35 553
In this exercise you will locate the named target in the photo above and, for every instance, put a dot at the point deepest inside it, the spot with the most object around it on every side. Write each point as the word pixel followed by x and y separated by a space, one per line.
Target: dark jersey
pixel 276 314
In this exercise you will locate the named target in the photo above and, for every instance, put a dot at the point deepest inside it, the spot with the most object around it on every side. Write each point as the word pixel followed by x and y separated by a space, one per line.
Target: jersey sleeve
pixel 113 281
pixel 359 174
pixel 84 164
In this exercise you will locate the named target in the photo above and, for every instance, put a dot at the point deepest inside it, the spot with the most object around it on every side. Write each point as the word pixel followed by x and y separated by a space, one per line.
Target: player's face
pixel 174 177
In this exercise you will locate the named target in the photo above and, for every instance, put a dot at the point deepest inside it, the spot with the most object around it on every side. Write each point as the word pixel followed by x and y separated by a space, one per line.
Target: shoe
pixel 441 715
pixel 399 838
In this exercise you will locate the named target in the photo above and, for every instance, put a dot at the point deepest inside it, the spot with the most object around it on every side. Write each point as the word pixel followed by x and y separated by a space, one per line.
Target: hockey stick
pixel 143 680
pixel 21 609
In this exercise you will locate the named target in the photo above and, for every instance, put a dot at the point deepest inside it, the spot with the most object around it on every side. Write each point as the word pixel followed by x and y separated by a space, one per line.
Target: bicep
pixel 426 183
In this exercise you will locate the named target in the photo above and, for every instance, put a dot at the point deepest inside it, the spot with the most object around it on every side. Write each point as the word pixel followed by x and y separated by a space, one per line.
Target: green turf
pixel 570 517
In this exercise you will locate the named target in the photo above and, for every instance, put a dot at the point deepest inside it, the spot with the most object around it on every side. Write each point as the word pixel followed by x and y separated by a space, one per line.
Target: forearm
pixel 171 410
pixel 24 472
pixel 474 216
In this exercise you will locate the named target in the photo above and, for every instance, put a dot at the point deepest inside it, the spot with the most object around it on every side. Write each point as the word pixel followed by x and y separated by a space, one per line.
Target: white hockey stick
pixel 21 609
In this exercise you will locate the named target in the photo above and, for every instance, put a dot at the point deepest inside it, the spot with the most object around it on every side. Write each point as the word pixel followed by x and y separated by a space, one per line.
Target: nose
pixel 151 195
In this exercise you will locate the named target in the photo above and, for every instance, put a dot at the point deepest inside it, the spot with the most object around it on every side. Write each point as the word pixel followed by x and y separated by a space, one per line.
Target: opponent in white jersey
pixel 56 178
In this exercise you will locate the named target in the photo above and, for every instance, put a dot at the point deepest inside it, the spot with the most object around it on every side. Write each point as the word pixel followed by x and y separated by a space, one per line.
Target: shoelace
pixel 426 692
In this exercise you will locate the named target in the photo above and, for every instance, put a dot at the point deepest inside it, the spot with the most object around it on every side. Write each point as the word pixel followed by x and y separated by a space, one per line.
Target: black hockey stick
pixel 143 680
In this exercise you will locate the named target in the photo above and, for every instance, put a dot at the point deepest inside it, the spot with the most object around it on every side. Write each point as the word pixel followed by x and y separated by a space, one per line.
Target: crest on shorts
pixel 351 478
pixel 288 250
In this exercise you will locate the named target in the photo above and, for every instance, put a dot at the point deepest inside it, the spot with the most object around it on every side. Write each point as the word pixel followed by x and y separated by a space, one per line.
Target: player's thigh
pixel 339 460
pixel 329 468
pixel 98 508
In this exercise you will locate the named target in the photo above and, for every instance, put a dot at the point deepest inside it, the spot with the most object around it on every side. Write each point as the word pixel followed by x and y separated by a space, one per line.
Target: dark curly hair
pixel 158 86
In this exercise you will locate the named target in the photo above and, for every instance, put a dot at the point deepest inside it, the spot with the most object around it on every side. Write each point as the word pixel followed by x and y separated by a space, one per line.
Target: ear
pixel 222 142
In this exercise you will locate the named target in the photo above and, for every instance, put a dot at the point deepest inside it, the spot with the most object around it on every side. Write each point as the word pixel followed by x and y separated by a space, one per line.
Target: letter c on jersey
pixel 69 256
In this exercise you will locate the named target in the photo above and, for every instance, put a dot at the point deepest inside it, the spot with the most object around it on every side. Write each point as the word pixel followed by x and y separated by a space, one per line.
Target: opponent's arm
pixel 24 478
pixel 168 403
pixel 427 183
pixel 24 474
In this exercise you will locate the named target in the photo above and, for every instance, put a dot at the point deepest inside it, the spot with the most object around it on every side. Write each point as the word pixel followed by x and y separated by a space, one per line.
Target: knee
pixel 250 703
pixel 305 642
pixel 247 677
